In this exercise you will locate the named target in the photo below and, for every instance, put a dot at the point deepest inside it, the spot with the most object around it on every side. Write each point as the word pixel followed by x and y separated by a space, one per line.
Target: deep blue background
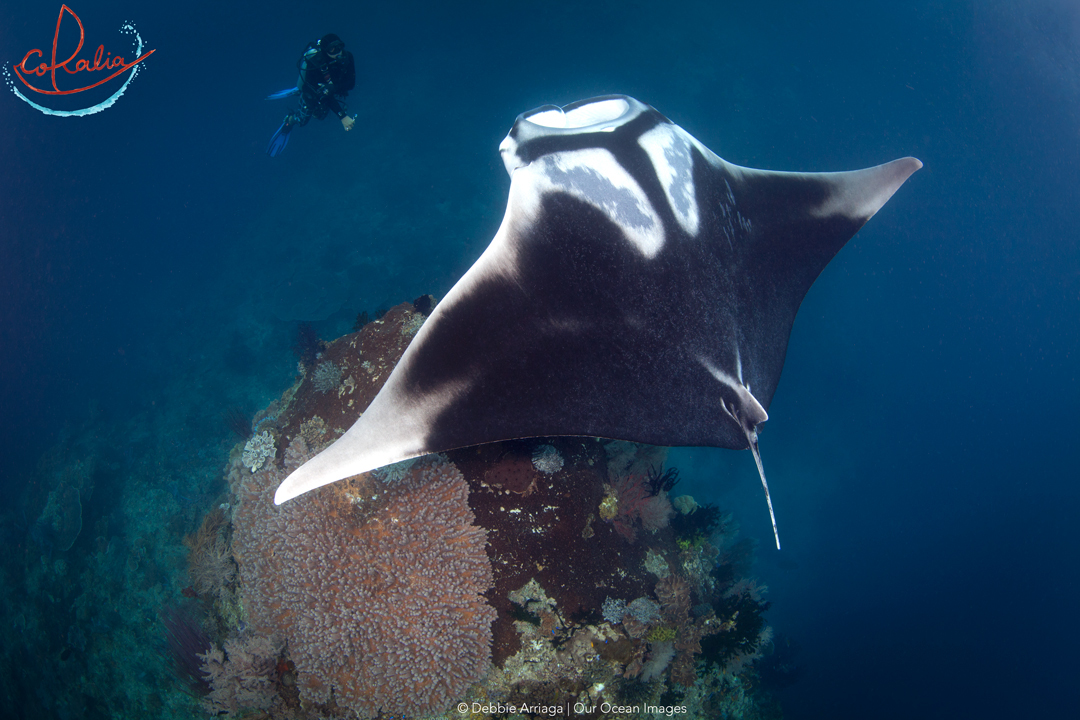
pixel 922 447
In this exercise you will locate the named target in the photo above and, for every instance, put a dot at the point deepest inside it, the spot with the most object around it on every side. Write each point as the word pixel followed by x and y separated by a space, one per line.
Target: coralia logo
pixel 33 65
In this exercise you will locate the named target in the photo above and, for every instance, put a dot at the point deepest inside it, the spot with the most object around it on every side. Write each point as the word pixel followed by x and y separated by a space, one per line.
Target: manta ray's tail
pixel 751 436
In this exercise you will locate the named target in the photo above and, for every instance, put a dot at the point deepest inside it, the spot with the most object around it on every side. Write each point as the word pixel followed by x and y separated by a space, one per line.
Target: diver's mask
pixel 336 50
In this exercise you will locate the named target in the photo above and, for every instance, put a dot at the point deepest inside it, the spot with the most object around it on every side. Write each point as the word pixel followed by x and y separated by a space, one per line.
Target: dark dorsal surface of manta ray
pixel 639 288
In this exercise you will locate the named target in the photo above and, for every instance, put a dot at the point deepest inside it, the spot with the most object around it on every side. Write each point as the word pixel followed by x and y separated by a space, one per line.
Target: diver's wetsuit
pixel 324 84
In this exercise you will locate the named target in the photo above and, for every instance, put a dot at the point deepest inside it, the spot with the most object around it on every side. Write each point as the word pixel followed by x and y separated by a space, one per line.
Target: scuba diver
pixel 327 74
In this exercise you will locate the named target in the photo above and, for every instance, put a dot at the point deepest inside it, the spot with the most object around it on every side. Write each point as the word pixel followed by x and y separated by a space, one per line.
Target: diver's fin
pixel 280 140
pixel 282 94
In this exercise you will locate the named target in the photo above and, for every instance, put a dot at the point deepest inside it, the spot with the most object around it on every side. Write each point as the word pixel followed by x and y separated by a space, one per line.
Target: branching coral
pixel 644 610
pixel 613 610
pixel 211 566
pixel 210 563
pixel 636 505
pixel 315 432
pixel 379 600
pixel 741 608
pixel 241 676
pixel 327 377
pixel 412 324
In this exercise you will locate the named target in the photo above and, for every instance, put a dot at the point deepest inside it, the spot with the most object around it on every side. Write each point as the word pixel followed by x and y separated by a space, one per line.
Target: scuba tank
pixel 310 52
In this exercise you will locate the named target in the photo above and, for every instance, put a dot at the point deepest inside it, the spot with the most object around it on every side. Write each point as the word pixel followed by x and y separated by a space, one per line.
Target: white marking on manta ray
pixel 863 199
pixel 749 406
pixel 583 116
pixel 734 225
pixel 669 152
pixel 594 176
pixel 553 118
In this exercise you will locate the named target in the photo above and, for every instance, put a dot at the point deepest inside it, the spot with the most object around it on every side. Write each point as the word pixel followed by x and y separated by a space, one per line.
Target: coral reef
pixel 327 377
pixel 376 587
pixel 412 324
pixel 638 506
pixel 424 304
pixel 314 432
pixel 210 562
pixel 61 521
pixel 685 504
pixel 242 675
pixel 613 610
pixel 258 450
pixel 660 656
pixel 644 610
pixel 547 459
pixel 657 564
pixel 212 569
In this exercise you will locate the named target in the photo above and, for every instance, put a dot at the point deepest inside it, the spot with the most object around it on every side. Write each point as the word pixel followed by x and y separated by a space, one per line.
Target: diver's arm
pixel 343 85
pixel 339 108
pixel 334 105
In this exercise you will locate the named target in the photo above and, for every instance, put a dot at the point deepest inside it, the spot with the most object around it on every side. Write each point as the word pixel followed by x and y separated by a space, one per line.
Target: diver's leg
pixel 302 114
pixel 297 118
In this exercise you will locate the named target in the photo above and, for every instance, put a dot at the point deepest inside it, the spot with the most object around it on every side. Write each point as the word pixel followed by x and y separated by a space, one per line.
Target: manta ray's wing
pixel 797 222
pixel 639 288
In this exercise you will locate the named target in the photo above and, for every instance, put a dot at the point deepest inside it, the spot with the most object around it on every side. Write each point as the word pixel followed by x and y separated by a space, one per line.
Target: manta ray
pixel 639 288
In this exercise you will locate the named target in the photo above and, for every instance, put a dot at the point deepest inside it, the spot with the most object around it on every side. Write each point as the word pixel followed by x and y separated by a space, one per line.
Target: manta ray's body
pixel 639 288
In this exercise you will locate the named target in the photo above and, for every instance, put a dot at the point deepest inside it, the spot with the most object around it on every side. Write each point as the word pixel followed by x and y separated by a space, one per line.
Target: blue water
pixel 922 447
